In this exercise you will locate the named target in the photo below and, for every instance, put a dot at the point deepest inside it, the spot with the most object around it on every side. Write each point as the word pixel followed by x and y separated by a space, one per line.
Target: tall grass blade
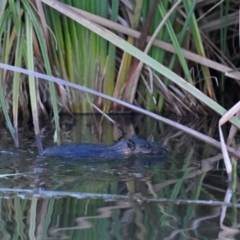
pixel 199 47
pixel 108 86
pixel 43 47
pixel 175 44
pixel 127 58
pixel 3 27
pixel 16 86
pixel 32 84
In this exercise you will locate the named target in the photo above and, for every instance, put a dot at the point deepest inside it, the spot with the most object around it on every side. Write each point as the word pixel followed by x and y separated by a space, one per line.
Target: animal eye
pixel 131 145
pixel 147 145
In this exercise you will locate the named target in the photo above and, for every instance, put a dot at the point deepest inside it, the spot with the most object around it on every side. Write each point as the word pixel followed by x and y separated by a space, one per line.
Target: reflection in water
pixel 138 198
pixel 95 218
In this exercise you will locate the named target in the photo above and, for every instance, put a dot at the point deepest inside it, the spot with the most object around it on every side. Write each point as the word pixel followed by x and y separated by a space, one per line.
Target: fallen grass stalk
pixel 190 131
pixel 39 194
pixel 14 174
pixel 223 120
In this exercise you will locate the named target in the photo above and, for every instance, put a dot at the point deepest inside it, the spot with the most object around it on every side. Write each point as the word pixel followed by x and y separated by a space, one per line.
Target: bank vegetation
pixel 177 56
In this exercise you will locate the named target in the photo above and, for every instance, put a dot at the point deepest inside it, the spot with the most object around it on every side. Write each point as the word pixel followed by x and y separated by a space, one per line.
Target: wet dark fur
pixel 121 149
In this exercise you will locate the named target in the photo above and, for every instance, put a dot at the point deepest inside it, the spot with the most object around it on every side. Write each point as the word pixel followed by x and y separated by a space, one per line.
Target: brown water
pixel 181 196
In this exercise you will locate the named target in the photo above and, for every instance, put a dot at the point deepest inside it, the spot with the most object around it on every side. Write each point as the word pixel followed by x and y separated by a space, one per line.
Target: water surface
pixel 181 196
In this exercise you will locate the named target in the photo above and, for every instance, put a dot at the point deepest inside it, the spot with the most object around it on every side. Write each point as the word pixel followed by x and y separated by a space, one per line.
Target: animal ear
pixel 131 144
